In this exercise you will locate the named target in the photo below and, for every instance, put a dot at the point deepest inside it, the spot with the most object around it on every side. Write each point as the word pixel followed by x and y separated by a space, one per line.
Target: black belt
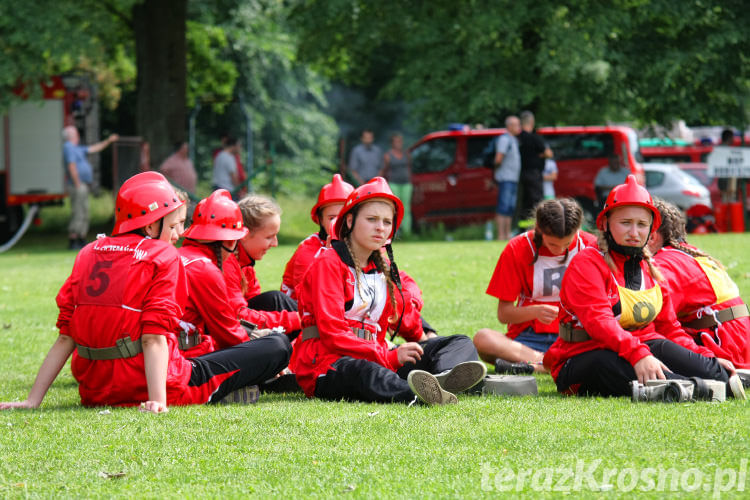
pixel 311 332
pixel 722 316
pixel 123 348
pixel 570 334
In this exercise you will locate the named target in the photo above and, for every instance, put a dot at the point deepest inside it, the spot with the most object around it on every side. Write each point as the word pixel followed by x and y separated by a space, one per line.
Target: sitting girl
pixel 706 300
pixel 618 328
pixel 262 218
pixel 350 298
pixel 215 304
pixel 526 283
pixel 120 307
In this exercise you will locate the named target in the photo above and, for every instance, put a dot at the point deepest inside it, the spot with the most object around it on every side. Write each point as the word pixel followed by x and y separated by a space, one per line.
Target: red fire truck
pixel 31 169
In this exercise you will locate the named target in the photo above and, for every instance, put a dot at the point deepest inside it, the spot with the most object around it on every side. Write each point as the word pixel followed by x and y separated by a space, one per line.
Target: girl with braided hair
pixel 618 329
pixel 706 300
pixel 526 283
pixel 351 298
pixel 211 320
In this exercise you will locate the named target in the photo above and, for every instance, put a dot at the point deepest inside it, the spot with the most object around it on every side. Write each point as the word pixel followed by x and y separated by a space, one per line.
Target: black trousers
pixel 272 301
pixel 253 362
pixel 362 380
pixel 604 373
pixel 426 326
pixel 530 192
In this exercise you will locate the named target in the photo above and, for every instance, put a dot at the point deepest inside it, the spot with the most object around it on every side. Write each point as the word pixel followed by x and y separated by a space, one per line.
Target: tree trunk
pixel 160 45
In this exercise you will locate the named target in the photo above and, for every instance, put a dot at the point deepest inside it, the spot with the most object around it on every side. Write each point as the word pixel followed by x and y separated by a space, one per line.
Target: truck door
pixel 435 189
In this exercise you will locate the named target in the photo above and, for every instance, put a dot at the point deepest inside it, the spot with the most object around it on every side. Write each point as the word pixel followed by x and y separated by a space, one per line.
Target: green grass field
pixel 545 446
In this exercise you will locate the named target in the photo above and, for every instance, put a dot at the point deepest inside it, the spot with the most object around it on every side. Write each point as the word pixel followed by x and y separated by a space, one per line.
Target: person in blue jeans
pixel 507 170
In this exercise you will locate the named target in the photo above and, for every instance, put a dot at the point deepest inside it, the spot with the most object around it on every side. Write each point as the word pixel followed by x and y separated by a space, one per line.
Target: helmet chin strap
pixel 230 250
pixel 622 249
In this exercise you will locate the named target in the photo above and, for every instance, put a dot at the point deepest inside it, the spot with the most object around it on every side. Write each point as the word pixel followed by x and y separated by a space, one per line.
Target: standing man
pixel 179 169
pixel 533 154
pixel 225 167
pixel 507 170
pixel 78 178
pixel 366 159
pixel 608 177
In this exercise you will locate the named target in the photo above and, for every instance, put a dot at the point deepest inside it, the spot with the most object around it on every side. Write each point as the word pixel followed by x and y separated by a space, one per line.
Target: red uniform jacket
pixel 589 292
pixel 329 298
pixel 300 262
pixel 120 286
pixel 289 320
pixel 208 310
pixel 693 295
pixel 518 278
pixel 247 264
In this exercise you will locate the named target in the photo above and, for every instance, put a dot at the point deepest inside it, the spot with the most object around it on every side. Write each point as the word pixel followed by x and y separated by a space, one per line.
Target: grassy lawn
pixel 289 446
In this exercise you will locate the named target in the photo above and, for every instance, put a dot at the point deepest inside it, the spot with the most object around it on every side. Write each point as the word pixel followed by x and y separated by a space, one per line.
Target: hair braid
pixel 673 232
pixel 357 270
pixel 377 257
pixel 604 248
pixel 652 268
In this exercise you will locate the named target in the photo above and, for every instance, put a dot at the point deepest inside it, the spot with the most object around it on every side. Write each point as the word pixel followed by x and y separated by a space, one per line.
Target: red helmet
pixel 217 218
pixel 143 199
pixel 377 187
pixel 334 192
pixel 630 193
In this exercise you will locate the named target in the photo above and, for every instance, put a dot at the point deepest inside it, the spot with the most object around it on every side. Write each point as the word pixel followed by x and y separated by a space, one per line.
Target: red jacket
pixel 327 300
pixel 289 320
pixel 693 295
pixel 247 264
pixel 126 285
pixel 589 293
pixel 300 262
pixel 209 309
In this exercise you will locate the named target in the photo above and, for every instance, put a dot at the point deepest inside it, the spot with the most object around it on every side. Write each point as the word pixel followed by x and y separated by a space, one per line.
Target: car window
pixel 687 179
pixel 580 146
pixel 654 178
pixel 475 148
pixel 700 175
pixel 433 156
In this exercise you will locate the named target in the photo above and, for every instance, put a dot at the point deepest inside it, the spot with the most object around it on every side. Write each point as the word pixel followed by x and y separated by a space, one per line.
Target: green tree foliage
pixel 46 37
pixel 231 48
pixel 584 62
pixel 285 99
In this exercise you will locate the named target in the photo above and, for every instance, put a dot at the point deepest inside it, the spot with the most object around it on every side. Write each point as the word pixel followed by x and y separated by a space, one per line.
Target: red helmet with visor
pixel 630 193
pixel 335 191
pixel 143 199
pixel 377 187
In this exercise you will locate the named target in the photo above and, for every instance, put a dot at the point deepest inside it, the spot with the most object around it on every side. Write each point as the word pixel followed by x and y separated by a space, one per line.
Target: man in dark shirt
pixel 533 154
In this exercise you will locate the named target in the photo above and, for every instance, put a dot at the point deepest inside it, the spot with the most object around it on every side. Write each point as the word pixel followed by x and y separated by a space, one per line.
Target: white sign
pixel 727 161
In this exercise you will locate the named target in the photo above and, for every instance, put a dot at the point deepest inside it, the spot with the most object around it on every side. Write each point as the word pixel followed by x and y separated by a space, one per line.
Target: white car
pixel 668 182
